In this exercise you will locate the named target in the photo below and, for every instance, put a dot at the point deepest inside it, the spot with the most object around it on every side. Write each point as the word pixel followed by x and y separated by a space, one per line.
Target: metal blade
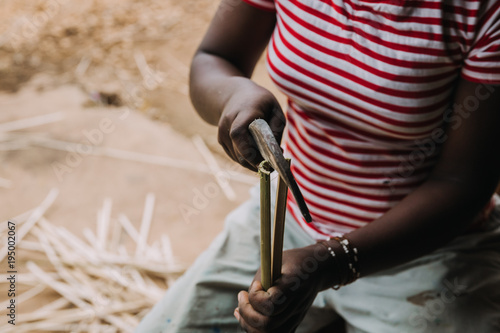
pixel 271 151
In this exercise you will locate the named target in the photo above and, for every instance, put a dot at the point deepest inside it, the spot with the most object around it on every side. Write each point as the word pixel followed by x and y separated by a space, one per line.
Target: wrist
pixel 331 269
pixel 342 267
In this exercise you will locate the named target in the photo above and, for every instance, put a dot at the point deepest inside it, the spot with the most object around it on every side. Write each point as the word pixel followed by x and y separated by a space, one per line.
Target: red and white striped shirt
pixel 370 86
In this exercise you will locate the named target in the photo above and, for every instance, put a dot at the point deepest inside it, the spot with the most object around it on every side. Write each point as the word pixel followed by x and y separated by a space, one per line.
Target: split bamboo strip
pixel 48 325
pixel 19 219
pixel 154 252
pixel 128 227
pixel 23 297
pixel 265 225
pixel 138 279
pixel 74 242
pixel 27 279
pixel 83 291
pixel 30 246
pixel 147 216
pixel 103 312
pixel 168 254
pixel 131 320
pixel 153 287
pixel 103 223
pixel 66 255
pixel 279 228
pixel 116 235
pixel 62 288
pixel 77 314
pixel 90 237
pixel 122 250
pixel 36 214
pixel 119 323
pixel 109 288
pixel 13 145
pixel 46 310
pixel 76 147
pixel 31 122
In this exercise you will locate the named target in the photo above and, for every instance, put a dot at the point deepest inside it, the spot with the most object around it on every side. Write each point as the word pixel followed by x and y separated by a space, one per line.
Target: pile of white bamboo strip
pixel 97 284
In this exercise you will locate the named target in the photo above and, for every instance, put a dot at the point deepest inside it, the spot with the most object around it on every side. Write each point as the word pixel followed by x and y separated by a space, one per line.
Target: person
pixel 392 128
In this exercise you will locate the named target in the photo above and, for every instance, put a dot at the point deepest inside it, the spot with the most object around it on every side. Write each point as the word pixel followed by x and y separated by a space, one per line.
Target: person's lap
pixel 454 289
pixel 426 295
pixel 204 298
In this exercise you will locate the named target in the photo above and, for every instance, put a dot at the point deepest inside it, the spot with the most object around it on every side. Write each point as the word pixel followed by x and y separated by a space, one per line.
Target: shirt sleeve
pixel 267 5
pixel 483 60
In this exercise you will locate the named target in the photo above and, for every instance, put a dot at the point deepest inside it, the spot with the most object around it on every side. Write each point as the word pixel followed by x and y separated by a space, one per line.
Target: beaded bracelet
pixel 351 253
pixel 334 256
pixel 352 256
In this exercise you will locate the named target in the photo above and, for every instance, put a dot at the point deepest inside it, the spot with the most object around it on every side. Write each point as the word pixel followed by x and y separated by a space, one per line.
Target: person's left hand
pixel 281 308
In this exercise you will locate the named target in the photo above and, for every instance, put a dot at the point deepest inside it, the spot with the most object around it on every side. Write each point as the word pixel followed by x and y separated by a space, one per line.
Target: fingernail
pixel 240 297
pixel 237 314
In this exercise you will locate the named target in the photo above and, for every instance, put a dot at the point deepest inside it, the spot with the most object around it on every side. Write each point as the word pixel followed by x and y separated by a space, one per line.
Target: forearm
pixel 434 214
pixel 212 81
pixel 227 56
pixel 428 218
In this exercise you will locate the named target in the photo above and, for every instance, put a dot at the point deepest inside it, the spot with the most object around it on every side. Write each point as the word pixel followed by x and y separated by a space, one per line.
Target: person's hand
pixel 281 308
pixel 247 103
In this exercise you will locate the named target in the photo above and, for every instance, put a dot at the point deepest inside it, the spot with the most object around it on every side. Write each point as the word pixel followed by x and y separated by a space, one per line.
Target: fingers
pixel 261 311
pixel 261 300
pixel 234 135
pixel 250 319
pixel 238 143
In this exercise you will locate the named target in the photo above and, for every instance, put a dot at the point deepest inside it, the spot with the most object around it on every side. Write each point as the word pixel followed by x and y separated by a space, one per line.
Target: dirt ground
pixel 111 75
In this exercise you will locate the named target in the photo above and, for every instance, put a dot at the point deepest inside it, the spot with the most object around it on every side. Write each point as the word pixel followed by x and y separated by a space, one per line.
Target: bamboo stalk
pixel 279 228
pixel 265 225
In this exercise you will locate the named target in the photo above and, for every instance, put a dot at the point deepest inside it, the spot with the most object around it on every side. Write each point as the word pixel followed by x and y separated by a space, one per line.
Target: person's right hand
pixel 247 103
